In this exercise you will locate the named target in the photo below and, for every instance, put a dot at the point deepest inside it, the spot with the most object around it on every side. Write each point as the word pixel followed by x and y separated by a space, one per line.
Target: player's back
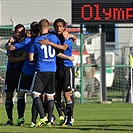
pixel 46 55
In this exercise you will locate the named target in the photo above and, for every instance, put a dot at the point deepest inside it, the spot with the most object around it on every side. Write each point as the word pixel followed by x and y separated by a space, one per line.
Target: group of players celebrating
pixel 41 64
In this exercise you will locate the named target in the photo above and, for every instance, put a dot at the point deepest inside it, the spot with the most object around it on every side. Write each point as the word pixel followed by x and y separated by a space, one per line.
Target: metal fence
pixel 118 79
pixel 117 85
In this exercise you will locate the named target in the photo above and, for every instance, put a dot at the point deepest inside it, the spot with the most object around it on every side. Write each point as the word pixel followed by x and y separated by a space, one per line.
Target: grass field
pixel 89 118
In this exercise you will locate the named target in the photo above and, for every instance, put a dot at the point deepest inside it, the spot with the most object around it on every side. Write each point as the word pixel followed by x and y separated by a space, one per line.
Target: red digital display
pixel 102 11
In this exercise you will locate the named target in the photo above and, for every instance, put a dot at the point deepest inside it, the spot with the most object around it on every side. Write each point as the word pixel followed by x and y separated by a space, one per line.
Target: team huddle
pixel 41 63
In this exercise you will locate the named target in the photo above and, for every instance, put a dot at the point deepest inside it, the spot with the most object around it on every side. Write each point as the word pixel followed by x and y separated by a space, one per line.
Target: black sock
pixel 69 110
pixel 58 108
pixel 9 107
pixel 21 106
pixel 38 104
pixel 45 107
pixel 72 97
pixel 34 113
pixel 63 107
pixel 50 108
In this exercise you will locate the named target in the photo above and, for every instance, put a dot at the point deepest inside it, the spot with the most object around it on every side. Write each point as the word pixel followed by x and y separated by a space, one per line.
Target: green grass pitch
pixel 89 118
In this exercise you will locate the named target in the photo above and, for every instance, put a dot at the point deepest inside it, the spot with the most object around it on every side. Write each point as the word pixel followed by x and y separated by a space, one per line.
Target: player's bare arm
pixel 66 35
pixel 31 57
pixel 73 37
pixel 57 46
pixel 9 45
pixel 63 56
pixel 11 58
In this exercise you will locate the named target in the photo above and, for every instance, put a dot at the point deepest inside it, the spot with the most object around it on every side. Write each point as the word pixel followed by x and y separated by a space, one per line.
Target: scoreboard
pixel 102 11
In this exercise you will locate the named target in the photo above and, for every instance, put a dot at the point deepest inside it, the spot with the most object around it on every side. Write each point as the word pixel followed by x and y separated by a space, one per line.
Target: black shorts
pixel 25 83
pixel 44 82
pixel 65 79
pixel 12 79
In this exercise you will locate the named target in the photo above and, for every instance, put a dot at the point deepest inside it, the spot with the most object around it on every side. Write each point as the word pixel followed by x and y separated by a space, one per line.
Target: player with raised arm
pixel 65 71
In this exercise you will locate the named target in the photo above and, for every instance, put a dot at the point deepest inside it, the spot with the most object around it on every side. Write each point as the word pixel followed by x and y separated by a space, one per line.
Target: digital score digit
pixel 102 11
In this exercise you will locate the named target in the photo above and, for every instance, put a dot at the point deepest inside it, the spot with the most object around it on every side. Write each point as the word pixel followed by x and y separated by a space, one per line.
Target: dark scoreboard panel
pixel 102 11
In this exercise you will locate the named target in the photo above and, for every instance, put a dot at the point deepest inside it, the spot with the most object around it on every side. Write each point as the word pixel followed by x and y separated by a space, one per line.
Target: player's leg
pixel 10 84
pixel 45 107
pixel 71 95
pixel 50 103
pixel 20 108
pixel 50 92
pixel 60 106
pixel 59 102
pixel 67 94
pixel 44 102
pixel 72 113
pixel 34 114
pixel 24 85
pixel 9 107
pixel 69 106
pixel 63 83
pixel 37 102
